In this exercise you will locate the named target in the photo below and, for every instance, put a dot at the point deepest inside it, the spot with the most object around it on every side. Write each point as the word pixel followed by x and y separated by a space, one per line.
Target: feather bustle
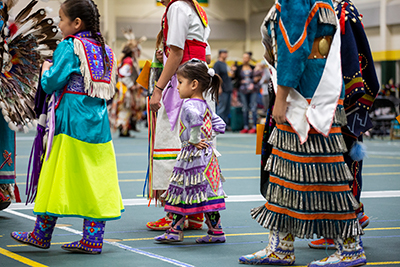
pixel 26 11
pixel 23 47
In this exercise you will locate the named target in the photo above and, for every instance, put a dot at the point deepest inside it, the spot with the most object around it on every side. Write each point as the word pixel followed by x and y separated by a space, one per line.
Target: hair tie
pixel 211 72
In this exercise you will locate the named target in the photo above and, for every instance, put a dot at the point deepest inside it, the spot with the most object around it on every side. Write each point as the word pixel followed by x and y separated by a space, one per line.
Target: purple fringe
pixel 189 171
pixel 175 190
pixel 36 160
pixel 196 189
pixel 50 124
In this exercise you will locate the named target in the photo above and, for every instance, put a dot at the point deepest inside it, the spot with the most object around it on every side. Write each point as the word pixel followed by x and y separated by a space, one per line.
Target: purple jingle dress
pixel 195 183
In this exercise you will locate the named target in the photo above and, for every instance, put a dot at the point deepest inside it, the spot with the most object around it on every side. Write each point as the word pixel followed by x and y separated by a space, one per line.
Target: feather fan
pixel 37 16
pixel 24 44
pixel 24 13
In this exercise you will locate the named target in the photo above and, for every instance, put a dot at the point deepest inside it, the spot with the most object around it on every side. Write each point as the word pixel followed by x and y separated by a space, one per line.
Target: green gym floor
pixel 130 243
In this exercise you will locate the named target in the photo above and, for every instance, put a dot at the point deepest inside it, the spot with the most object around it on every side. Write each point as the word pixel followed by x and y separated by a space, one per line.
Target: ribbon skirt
pixel 308 191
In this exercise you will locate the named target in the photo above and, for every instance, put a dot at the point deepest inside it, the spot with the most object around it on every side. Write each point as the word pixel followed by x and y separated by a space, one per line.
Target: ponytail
pixel 209 82
pixel 160 37
pixel 216 83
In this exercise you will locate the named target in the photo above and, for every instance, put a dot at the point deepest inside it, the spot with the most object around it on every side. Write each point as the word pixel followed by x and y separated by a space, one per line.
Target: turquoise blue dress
pixel 80 176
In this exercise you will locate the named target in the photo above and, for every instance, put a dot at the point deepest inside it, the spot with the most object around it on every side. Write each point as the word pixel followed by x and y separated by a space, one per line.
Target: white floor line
pixel 383 153
pixel 235 198
pixel 380 194
pixel 116 244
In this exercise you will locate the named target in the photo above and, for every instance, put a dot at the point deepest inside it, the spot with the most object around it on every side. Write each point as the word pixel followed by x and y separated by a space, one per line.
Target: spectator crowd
pixel 245 88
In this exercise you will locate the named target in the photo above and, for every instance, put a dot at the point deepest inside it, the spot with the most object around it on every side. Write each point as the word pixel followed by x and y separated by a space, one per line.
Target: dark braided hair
pixel 88 12
pixel 197 70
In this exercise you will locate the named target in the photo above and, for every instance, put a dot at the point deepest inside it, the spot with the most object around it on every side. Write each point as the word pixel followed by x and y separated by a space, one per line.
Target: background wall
pixel 235 26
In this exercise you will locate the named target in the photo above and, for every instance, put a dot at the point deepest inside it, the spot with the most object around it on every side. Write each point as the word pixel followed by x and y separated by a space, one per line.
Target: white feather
pixel 25 28
pixel 12 126
pixel 46 53
pixel 42 47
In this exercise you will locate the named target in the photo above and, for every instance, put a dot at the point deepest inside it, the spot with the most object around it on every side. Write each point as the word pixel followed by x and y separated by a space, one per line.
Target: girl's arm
pixel 46 66
pixel 195 138
pixel 218 124
pixel 178 28
pixel 65 62
pixel 173 62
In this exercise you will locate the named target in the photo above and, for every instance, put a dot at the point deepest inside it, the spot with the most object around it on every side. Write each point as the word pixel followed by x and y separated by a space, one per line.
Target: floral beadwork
pixel 95 60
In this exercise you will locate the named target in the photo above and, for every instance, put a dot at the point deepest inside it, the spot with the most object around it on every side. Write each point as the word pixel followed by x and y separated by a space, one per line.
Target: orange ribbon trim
pixel 309 188
pixel 309 217
pixel 308 159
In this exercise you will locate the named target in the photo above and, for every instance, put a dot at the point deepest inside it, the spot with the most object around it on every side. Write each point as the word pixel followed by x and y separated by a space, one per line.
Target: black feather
pixel 37 16
pixel 47 33
pixel 50 43
pixel 45 23
pixel 19 77
pixel 26 11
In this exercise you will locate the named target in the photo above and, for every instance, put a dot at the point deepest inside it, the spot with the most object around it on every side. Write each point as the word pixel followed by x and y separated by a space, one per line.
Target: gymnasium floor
pixel 130 243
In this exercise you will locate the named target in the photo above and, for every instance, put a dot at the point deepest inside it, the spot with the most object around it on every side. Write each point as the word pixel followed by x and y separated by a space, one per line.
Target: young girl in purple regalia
pixel 195 183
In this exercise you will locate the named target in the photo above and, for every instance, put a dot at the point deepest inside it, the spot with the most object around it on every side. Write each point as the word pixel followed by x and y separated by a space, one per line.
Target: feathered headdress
pixel 25 42
pixel 132 45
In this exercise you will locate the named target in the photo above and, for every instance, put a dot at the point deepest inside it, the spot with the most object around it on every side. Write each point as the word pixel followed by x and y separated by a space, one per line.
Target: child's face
pixel 185 87
pixel 67 26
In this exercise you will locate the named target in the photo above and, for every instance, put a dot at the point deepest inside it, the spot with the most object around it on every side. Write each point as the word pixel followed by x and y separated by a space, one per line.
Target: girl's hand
pixel 155 99
pixel 159 55
pixel 279 112
pixel 46 66
pixel 201 145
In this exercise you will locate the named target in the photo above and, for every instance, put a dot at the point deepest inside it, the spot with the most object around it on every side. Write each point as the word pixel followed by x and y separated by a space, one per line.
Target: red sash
pixel 194 49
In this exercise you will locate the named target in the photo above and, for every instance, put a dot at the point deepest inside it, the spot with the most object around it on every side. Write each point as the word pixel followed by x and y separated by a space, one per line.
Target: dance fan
pixel 25 42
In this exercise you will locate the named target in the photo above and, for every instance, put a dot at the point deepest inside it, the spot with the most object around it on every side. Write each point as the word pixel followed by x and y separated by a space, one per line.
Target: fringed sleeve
pixel 65 62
